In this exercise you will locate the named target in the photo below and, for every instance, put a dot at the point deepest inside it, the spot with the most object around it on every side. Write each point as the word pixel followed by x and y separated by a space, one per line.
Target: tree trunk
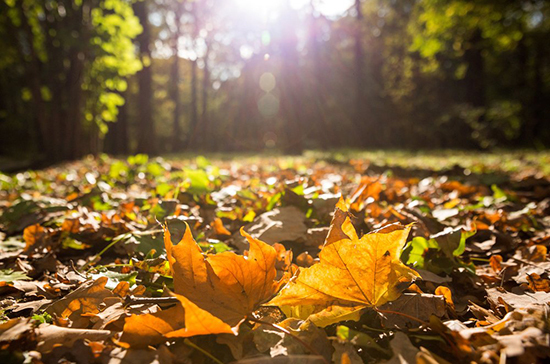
pixel 475 75
pixel 175 78
pixel 192 136
pixel 34 82
pixel 535 133
pixel 205 132
pixel 116 140
pixel 146 129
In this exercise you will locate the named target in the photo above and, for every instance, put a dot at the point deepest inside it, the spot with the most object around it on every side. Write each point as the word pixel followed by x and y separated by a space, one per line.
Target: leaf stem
pixel 480 259
pixel 195 346
pixel 98 255
pixel 287 332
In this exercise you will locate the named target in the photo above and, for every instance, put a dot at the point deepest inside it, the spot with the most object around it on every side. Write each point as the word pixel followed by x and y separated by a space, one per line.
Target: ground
pixel 83 257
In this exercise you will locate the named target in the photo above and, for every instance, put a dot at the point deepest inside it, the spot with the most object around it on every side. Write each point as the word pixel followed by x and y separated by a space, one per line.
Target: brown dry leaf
pixel 305 260
pixel 50 336
pixel 538 253
pixel 537 283
pixel 227 285
pixel 14 329
pixel 34 236
pixel 496 262
pixel 275 226
pixel 517 300
pixel 420 306
pixel 352 274
pixel 83 301
pixel 71 225
pixel 403 350
pixel 277 343
pixel 345 353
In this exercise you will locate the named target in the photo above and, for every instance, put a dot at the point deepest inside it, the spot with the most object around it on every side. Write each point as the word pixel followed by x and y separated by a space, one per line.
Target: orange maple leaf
pixel 227 285
pixel 216 292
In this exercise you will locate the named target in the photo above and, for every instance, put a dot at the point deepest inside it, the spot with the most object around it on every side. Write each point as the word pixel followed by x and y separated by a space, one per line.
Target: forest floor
pixel 352 257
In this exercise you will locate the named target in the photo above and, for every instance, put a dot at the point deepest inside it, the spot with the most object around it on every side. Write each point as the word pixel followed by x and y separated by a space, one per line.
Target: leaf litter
pixel 195 261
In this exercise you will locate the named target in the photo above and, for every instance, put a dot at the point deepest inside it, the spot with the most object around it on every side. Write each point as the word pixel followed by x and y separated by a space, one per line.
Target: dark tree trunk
pixel 116 140
pixel 206 137
pixel 535 133
pixel 175 78
pixel 475 75
pixel 192 135
pixel 146 129
pixel 34 82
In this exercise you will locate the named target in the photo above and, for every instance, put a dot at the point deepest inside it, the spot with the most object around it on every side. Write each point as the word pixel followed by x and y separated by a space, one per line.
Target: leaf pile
pixel 409 266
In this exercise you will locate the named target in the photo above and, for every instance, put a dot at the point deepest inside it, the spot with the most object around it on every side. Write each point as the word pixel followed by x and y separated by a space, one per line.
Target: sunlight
pixel 262 8
pixel 266 7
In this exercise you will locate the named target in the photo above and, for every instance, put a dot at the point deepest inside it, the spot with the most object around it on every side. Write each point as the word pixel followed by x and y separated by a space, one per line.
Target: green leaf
pixel 214 246
pixel 199 181
pixel 358 338
pixel 9 276
pixel 163 188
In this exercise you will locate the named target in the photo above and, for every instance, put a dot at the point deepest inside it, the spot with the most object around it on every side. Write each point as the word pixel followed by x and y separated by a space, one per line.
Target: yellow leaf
pixel 352 273
pixel 446 292
pixel 227 285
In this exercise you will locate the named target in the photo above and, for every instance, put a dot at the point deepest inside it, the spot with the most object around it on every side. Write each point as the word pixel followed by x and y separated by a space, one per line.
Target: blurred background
pixel 168 76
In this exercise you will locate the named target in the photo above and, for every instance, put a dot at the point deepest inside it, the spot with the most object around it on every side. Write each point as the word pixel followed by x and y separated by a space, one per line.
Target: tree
pixel 71 61
pixel 146 142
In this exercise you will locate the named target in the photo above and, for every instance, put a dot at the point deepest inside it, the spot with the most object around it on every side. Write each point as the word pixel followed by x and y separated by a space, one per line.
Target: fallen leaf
pixel 419 306
pixel 149 329
pixel 496 262
pixel 14 329
pixel 219 229
pixel 227 285
pixel 276 226
pixel 35 236
pixel 403 351
pixel 537 283
pixel 518 300
pixel 50 336
pixel 446 292
pixel 345 353
pixel 352 273
pixel 85 300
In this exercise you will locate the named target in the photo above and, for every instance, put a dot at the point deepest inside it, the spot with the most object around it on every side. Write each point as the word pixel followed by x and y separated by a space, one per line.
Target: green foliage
pixel 68 57
pixel 440 253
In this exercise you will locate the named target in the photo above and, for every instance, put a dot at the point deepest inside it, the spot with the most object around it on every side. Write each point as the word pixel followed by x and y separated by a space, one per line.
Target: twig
pixel 131 300
pixel 96 257
pixel 76 270
pixel 287 332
